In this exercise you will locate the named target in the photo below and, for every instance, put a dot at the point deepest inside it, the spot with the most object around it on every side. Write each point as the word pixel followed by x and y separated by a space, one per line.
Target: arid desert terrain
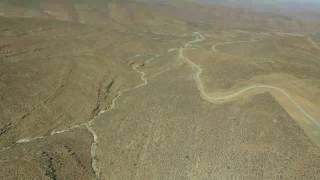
pixel 159 90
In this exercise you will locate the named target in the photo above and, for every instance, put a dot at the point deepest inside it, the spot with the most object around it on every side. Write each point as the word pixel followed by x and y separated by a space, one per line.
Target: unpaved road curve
pixel 214 99
pixel 214 47
pixel 314 44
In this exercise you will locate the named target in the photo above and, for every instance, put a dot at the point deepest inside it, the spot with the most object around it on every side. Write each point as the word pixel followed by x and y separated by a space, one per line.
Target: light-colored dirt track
pixel 214 47
pixel 232 95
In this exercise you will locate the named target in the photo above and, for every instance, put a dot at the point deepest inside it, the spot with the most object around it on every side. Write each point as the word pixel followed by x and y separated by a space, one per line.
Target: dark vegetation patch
pixel 50 170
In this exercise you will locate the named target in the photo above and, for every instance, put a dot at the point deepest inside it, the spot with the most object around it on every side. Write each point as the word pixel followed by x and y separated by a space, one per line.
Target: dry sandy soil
pixel 156 90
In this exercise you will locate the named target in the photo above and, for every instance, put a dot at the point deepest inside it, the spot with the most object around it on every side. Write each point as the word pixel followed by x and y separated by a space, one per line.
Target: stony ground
pixel 136 90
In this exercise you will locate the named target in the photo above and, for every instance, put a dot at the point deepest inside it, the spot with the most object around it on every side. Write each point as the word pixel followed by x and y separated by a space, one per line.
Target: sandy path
pixel 232 95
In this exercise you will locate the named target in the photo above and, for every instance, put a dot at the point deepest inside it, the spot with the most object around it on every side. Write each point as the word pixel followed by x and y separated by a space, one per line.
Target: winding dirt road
pixel 232 95
pixel 214 47
pixel 197 71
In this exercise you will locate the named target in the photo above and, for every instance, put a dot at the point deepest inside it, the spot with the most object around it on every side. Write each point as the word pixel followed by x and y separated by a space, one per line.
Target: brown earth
pixel 103 90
